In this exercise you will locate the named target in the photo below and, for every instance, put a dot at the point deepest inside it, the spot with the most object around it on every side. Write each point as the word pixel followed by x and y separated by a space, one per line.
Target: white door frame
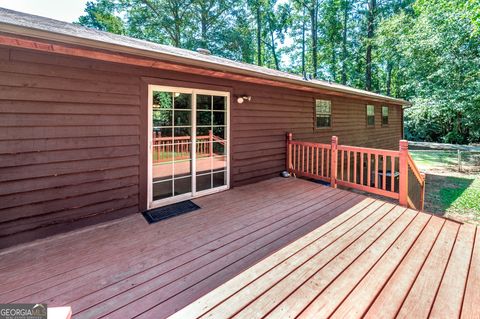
pixel 153 204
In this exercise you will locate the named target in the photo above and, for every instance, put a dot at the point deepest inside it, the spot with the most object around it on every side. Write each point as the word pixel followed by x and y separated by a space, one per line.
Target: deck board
pixel 422 293
pixel 448 302
pixel 157 259
pixel 360 298
pixel 312 242
pixel 471 300
pixel 328 300
pixel 279 248
pixel 387 262
pixel 319 280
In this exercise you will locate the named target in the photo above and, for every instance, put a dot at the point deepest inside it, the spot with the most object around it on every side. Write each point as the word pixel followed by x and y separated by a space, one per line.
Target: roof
pixel 15 22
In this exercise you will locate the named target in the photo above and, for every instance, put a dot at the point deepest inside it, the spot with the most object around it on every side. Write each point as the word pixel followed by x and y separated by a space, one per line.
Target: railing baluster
pixel 303 158
pixel 369 170
pixel 376 170
pixel 361 167
pixel 348 166
pixel 313 159
pixel 384 182
pixel 322 163
pixel 294 156
pixel 392 177
pixel 308 155
pixel 355 167
pixel 342 155
pixel 316 166
pixel 327 166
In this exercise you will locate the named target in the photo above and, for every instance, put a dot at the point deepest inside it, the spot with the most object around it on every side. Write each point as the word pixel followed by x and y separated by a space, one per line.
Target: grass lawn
pixel 448 192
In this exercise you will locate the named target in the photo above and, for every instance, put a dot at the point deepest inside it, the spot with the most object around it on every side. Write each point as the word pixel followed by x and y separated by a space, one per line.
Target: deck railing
pixel 309 159
pixel 165 148
pixel 383 172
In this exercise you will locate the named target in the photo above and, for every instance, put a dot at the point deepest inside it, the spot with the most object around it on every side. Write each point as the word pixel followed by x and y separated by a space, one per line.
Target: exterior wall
pixel 73 137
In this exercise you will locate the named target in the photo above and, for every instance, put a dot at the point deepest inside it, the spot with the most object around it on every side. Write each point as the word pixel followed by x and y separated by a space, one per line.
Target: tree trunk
pixel 274 53
pixel 344 42
pixel 314 28
pixel 259 36
pixel 334 63
pixel 303 43
pixel 389 78
pixel 370 32
pixel 177 38
pixel 204 22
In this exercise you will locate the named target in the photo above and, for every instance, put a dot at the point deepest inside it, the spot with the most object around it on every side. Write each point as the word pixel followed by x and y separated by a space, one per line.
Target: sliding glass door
pixel 188 143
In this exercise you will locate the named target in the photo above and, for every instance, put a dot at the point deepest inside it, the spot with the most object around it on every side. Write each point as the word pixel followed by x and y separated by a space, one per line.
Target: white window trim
pixel 194 194
pixel 330 114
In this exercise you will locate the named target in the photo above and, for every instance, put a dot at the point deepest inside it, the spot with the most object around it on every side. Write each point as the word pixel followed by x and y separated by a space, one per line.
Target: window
pixel 370 115
pixel 323 113
pixel 384 115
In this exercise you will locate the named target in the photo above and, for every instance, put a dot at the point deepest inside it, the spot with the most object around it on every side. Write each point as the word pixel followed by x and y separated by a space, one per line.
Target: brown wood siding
pixel 73 132
pixel 259 127
pixel 69 145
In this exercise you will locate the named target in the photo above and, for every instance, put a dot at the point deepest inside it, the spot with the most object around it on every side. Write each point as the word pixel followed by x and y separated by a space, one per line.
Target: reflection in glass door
pixel 188 143
pixel 211 159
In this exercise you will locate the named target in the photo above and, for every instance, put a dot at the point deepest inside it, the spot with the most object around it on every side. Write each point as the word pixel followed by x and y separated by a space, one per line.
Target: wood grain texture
pixel 281 248
pixel 69 121
pixel 471 299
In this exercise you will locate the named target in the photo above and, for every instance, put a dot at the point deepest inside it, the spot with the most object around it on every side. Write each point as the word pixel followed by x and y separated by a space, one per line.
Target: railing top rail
pixel 327 146
pixel 169 138
pixel 368 150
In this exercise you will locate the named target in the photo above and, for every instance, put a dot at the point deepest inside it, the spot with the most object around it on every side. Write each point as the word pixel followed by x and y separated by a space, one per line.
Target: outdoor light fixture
pixel 242 98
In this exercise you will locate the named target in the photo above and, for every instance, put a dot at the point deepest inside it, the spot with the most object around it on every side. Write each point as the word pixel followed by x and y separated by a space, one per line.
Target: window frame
pixel 315 114
pixel 385 107
pixel 367 116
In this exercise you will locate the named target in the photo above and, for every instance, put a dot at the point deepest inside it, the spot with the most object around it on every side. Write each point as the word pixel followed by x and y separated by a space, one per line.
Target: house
pixel 96 126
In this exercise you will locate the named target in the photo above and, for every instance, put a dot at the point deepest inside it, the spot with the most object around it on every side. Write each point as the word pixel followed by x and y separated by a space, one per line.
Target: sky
pixel 64 10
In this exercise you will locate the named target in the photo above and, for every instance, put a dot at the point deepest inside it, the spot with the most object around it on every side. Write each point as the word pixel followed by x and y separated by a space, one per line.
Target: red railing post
pixel 403 170
pixel 288 159
pixel 333 163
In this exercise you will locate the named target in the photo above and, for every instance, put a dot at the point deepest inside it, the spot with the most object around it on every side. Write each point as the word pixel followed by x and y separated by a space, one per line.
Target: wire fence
pixel 458 160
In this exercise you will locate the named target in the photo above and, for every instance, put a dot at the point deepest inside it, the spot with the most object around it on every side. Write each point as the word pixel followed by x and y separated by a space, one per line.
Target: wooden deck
pixel 376 260
pixel 278 248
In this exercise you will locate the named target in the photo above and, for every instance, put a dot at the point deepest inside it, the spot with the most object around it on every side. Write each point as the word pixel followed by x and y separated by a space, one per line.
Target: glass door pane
pixel 187 124
pixel 171 144
pixel 211 160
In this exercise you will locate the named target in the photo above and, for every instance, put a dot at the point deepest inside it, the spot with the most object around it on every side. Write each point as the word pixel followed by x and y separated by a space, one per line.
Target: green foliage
pixel 101 15
pixel 427 51
pixel 442 75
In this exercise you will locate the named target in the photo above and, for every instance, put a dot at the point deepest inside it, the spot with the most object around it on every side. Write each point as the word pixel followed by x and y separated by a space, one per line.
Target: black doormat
pixel 161 213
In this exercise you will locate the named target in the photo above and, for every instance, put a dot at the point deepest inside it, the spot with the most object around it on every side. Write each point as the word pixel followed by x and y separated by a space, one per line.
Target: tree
pixel 331 37
pixel 209 13
pixel 442 78
pixel 101 15
pixel 346 13
pixel 426 51
pixel 371 12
